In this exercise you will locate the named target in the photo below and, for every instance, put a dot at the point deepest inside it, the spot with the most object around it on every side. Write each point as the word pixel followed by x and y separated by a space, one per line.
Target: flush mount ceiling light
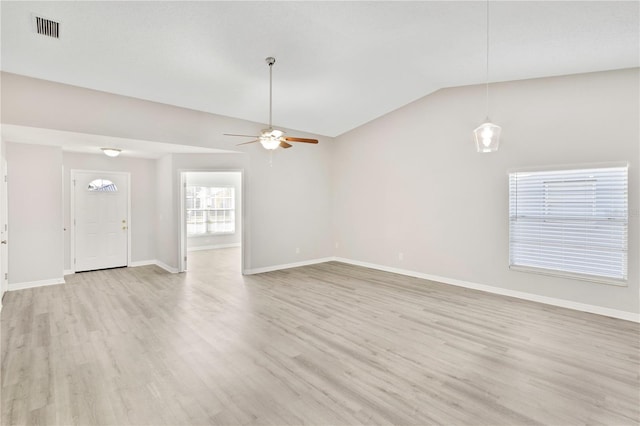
pixel 272 138
pixel 111 152
pixel 487 134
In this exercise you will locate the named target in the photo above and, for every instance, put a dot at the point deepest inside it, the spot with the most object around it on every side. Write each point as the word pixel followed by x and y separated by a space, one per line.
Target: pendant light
pixel 487 135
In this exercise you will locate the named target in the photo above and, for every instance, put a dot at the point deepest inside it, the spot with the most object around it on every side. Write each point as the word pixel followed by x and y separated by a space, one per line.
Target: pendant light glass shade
pixel 487 137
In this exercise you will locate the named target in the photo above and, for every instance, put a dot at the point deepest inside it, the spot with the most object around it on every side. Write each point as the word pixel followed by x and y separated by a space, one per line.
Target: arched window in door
pixel 102 185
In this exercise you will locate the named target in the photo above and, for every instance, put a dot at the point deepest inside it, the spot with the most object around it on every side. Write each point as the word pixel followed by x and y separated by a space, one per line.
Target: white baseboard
pixel 287 266
pixel 142 263
pixel 614 313
pixel 130 265
pixel 55 281
pixel 153 262
pixel 213 247
pixel 32 284
pixel 166 267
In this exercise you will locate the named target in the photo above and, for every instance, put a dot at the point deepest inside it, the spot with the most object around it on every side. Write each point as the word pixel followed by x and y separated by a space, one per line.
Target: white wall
pixel 220 180
pixel 35 214
pixel 412 182
pixel 143 199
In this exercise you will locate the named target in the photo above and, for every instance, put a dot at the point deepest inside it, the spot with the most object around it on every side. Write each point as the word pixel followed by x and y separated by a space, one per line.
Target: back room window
pixel 210 210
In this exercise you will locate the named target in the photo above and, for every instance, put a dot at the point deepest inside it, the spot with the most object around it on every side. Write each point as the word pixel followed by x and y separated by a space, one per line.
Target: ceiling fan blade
pixel 292 139
pixel 244 143
pixel 244 136
pixel 285 145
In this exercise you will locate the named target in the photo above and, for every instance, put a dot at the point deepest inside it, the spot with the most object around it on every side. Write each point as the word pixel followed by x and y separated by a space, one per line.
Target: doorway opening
pixel 211 220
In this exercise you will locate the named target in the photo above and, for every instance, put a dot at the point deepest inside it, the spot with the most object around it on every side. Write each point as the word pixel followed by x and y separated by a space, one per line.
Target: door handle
pixel 3 242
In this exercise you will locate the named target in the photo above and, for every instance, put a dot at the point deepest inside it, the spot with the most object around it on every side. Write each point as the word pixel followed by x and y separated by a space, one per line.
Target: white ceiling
pixel 339 64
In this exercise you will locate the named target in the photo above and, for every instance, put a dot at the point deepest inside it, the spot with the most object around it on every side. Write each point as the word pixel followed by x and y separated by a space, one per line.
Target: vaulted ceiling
pixel 339 64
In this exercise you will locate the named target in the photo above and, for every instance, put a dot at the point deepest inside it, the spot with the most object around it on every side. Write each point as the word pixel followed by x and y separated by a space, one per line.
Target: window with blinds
pixel 570 222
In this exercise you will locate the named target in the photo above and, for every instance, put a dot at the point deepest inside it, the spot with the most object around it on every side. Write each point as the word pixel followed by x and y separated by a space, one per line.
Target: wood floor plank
pixel 328 344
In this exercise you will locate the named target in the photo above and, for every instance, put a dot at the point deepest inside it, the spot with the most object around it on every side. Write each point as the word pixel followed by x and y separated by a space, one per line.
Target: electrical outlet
pixel 400 256
pixel 297 250
pixel 634 213
pixel 337 245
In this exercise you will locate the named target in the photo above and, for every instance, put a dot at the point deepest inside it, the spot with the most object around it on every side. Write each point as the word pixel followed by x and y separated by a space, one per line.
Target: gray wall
pixel 411 181
pixel 288 199
pixel 166 227
pixel 35 213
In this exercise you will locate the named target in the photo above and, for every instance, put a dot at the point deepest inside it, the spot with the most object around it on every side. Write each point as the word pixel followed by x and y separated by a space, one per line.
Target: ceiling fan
pixel 271 138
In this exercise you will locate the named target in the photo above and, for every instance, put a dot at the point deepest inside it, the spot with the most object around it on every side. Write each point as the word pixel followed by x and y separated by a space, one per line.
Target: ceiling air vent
pixel 47 27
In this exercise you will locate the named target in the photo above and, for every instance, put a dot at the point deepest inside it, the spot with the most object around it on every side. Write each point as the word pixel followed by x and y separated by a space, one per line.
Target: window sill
pixel 574 276
pixel 210 234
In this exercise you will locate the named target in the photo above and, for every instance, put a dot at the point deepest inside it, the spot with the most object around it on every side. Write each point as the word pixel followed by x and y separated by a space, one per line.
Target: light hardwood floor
pixel 329 344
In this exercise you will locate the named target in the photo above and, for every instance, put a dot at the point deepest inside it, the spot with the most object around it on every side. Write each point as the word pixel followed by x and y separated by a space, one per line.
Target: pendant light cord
pixel 487 62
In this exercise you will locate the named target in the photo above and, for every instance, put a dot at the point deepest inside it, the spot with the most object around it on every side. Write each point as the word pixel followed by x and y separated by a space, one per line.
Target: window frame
pixel 600 279
pixel 205 211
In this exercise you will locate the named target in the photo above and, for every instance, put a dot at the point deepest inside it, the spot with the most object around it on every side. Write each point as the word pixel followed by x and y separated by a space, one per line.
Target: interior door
pixel 100 219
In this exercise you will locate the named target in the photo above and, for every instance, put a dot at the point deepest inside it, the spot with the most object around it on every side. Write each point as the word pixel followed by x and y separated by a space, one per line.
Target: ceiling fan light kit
pixel 270 138
pixel 487 135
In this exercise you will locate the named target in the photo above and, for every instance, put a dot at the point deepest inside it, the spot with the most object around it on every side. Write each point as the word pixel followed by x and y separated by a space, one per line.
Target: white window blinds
pixel 570 221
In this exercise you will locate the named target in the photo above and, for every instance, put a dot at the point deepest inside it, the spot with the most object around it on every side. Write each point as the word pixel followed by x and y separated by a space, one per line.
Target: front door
pixel 101 204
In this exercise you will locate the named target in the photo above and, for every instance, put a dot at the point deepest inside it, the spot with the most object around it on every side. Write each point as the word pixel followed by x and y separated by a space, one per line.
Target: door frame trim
pixel 4 226
pixel 72 213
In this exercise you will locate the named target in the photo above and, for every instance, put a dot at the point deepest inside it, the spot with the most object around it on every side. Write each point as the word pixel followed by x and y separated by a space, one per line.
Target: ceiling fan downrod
pixel 270 61
pixel 269 138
